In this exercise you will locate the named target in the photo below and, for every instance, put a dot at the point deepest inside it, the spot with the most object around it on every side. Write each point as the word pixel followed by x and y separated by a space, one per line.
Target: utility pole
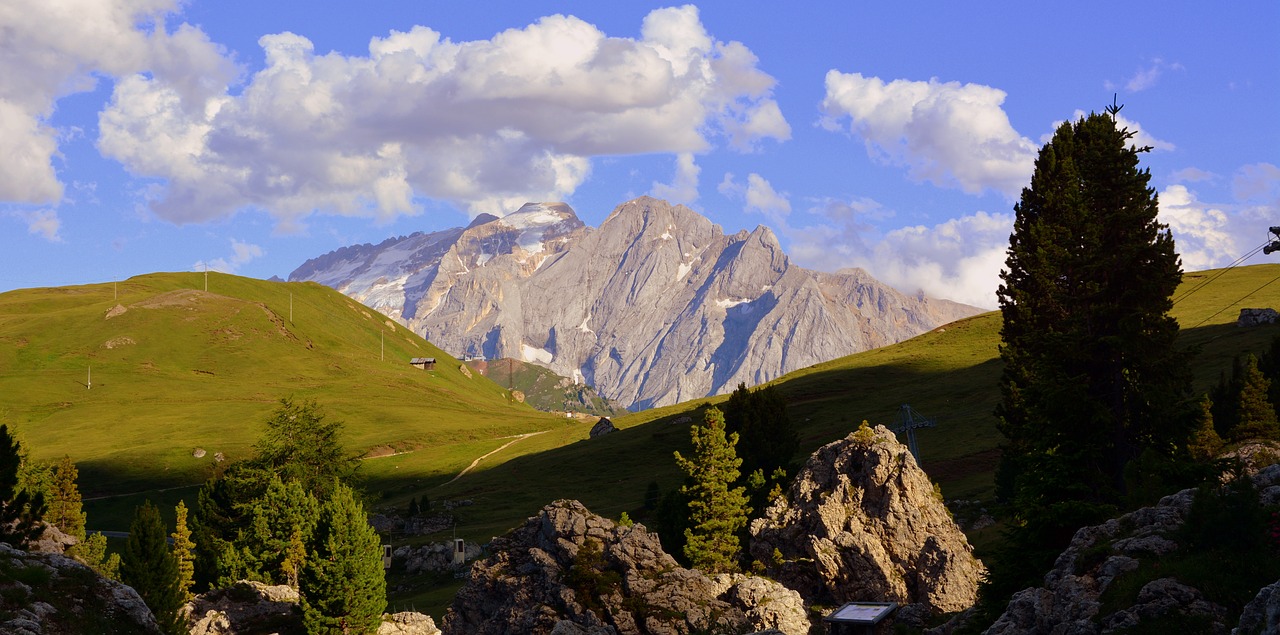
pixel 291 307
pixel 206 277
pixel 88 385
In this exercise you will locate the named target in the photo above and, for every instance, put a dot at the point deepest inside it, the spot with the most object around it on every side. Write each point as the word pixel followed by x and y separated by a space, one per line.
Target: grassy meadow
pixel 203 370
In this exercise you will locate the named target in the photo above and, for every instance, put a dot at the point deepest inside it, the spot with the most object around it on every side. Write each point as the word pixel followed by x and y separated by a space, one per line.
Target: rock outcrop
pixel 567 570
pixel 245 607
pixel 51 594
pixel 654 307
pixel 862 522
pixel 1071 599
pixel 602 427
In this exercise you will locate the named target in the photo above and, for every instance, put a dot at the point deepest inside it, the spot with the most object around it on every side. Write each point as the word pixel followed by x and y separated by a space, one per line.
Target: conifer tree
pixel 148 566
pixel 343 585
pixel 413 510
pixel 93 553
pixel 1256 415
pixel 183 552
pixel 284 509
pixel 1205 442
pixel 20 510
pixel 301 445
pixel 1091 375
pixel 716 511
pixel 767 437
pixel 65 511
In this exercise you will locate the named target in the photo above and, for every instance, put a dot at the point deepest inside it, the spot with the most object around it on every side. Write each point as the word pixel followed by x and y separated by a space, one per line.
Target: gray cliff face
pixel 540 579
pixel 861 520
pixel 654 307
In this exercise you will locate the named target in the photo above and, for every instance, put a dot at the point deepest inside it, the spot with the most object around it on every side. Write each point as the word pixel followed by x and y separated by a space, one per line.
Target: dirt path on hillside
pixel 491 453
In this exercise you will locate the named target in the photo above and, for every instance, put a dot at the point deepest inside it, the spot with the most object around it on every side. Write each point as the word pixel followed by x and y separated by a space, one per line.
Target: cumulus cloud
pixel 758 196
pixel 684 187
pixel 47 56
pixel 487 124
pixel 947 133
pixel 241 254
pixel 959 259
pixel 1200 231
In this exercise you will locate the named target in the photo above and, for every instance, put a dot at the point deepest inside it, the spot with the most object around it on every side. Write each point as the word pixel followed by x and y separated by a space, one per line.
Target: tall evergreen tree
pixel 1092 376
pixel 20 510
pixel 301 445
pixel 343 586
pixel 148 566
pixel 183 552
pixel 717 511
pixel 767 437
pixel 66 511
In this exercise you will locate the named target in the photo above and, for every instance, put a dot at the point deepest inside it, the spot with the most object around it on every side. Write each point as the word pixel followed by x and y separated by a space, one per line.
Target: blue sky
pixel 157 135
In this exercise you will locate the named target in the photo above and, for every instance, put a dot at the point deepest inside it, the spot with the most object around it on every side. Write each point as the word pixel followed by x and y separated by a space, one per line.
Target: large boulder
pixel 862 522
pixel 48 594
pixel 567 570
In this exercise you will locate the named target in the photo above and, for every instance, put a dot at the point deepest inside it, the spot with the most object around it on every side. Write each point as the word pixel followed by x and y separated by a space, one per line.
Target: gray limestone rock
pixel 539 580
pixel 862 522
pixel 48 593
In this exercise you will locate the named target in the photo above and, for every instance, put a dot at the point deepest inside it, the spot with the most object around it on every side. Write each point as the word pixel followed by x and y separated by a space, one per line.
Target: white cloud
pixel 1147 77
pixel 1200 231
pixel 684 187
pixel 959 259
pixel 758 196
pixel 55 48
pixel 487 124
pixel 950 134
pixel 761 197
pixel 242 253
pixel 42 222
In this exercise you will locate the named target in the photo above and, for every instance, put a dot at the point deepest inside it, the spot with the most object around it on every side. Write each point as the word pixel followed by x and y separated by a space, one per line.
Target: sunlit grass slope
pixel 129 379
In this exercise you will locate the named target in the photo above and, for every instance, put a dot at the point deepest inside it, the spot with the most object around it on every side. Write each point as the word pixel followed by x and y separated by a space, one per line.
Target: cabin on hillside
pixel 425 363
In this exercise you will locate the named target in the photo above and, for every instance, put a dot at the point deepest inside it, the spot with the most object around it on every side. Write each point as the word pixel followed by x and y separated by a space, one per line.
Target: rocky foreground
pixel 860 522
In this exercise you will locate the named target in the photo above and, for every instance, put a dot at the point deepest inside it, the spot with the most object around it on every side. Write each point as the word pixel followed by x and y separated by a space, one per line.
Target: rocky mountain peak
pixel 862 521
pixel 654 307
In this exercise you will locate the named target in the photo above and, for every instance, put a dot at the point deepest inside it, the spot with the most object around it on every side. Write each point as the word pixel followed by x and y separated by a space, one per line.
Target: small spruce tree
pixel 65 511
pixel 183 552
pixel 1257 417
pixel 150 568
pixel 1205 442
pixel 343 586
pixel 93 553
pixel 716 511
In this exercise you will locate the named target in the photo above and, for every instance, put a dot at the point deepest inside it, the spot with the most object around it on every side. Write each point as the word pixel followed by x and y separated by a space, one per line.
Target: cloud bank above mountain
pixel 486 124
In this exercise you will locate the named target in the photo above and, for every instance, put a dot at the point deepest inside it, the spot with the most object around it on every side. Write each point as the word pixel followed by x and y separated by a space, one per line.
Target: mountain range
pixel 655 306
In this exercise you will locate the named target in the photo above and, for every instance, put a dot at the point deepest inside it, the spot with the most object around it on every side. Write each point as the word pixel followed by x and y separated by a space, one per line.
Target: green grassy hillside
pixel 950 374
pixel 180 368
pixel 129 379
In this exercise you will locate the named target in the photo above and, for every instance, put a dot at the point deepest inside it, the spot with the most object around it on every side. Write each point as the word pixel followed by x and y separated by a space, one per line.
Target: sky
pixel 247 137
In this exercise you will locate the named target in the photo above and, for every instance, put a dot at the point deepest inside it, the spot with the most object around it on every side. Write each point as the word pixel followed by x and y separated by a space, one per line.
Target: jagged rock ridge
pixel 654 307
